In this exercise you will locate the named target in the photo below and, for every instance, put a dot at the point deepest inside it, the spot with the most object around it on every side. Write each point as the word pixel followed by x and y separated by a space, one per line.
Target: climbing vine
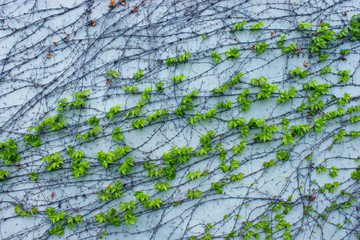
pixel 202 120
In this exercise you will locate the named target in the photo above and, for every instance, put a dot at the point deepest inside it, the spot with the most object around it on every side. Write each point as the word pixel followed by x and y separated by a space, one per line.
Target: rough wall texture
pixel 303 189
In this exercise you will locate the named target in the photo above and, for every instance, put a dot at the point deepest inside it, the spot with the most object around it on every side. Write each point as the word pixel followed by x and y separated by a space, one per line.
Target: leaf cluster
pixel 112 191
pixel 267 133
pixel 232 53
pixel 239 26
pixel 178 78
pixel 138 74
pixel 175 157
pixel 126 165
pixel 78 165
pixel 113 110
pixel 344 75
pixel 148 203
pixel 79 100
pixel 112 73
pixel 257 25
pixel 286 95
pixel 54 161
pixel 22 212
pixel 180 59
pixel 51 123
pixel 259 48
pixel 194 194
pixel 198 116
pixel 8 151
pixel 108 158
pixel 186 103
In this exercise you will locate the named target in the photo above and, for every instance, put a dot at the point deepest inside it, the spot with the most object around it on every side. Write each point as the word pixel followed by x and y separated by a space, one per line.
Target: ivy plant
pixel 112 73
pixel 54 161
pixel 215 56
pixel 239 26
pixel 79 99
pixel 113 110
pixel 178 78
pixel 259 48
pixel 8 151
pixel 138 74
pixel 232 53
pixel 32 139
pixel 257 25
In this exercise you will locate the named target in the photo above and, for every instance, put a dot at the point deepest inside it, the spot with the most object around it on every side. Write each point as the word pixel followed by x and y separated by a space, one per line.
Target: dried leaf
pixel 48 55
pixel 312 197
pixel 306 63
pixel 252 46
pixel 112 3
pixel 52 195
pixel 18 165
pixel 272 34
pixel 108 81
pixel 134 9
pixel 92 22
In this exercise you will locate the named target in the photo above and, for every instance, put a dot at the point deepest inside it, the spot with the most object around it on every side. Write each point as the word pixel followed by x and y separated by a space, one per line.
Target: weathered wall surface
pixel 50 50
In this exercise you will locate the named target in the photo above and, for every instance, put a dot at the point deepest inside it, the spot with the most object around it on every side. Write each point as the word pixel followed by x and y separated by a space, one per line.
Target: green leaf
pixel 215 56
pixel 117 134
pixel 33 175
pixel 100 217
pixel 232 53
pixel 57 229
pixel 138 74
pixel 257 25
pixel 129 218
pixel 239 26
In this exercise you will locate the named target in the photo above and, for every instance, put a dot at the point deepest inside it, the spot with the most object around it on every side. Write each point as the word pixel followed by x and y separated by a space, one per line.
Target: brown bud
pixel 312 197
